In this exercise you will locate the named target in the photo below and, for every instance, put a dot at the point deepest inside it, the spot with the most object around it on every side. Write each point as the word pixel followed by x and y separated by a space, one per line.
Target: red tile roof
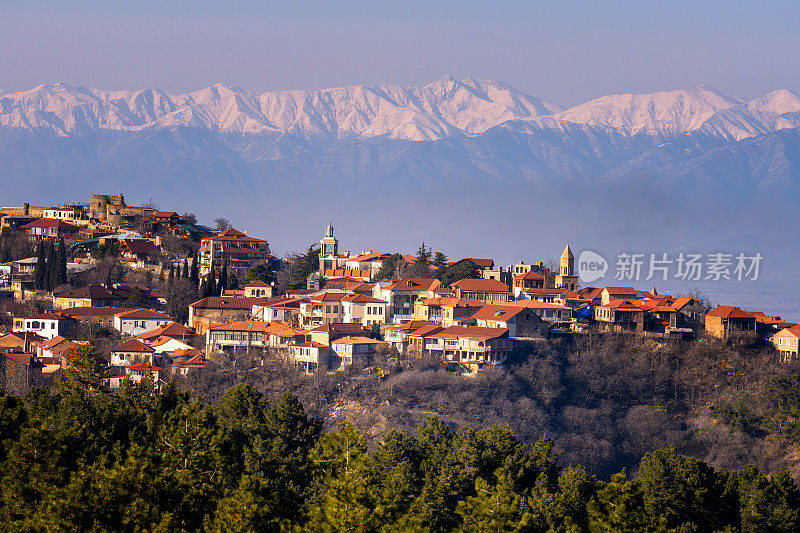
pixel 480 285
pixel 729 311
pixel 142 314
pixel 173 329
pixel 49 223
pixel 413 284
pixel 502 313
pixel 93 311
pixel 132 345
pixel 621 290
pixel 341 273
pixel 373 256
pixel 233 235
pixel 228 302
pixel 144 367
pixel 140 246
pixel 530 275
pixel 426 330
pixel 362 299
pixel 622 305
pixel 95 292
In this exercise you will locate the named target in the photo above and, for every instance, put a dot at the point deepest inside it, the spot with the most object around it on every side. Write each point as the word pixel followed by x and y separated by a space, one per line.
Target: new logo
pixel 591 266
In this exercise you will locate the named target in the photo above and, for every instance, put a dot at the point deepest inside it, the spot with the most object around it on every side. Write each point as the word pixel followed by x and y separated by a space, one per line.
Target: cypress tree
pixel 212 282
pixel 195 274
pixel 223 279
pixel 171 271
pixel 39 271
pixel 61 266
pixel 178 272
pixel 161 275
pixel 185 274
pixel 204 289
pixel 49 274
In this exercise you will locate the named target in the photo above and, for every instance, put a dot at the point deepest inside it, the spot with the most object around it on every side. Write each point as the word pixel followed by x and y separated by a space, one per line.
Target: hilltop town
pixel 162 295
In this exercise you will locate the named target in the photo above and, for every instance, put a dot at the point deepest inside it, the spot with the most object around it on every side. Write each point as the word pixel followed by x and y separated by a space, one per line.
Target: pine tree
pixel 87 371
pixel 424 255
pixel 40 270
pixel 440 261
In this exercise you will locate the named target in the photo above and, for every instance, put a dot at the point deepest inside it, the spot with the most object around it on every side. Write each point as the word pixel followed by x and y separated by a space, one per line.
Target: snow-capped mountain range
pixel 440 109
pixel 445 108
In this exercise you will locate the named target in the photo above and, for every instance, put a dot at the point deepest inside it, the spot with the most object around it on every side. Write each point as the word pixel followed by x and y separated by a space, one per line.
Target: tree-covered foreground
pixel 75 458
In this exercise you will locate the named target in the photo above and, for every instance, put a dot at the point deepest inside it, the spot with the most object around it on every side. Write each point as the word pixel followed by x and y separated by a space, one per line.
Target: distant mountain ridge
pixel 473 134
pixel 435 111
pixel 440 109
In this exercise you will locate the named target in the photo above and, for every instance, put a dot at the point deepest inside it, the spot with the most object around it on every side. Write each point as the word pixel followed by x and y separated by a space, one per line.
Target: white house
pixel 138 321
pixel 48 325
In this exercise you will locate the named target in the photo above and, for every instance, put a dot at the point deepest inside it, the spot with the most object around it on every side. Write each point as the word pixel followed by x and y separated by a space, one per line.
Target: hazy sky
pixel 566 52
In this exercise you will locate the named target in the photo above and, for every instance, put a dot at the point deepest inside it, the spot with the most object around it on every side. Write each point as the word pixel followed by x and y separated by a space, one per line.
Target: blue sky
pixel 566 52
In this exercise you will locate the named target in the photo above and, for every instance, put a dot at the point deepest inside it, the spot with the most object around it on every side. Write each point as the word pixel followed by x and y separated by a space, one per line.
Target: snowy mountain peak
pixel 780 101
pixel 663 112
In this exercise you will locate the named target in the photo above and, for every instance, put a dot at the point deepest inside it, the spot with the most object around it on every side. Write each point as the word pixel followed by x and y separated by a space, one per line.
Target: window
pixel 780 341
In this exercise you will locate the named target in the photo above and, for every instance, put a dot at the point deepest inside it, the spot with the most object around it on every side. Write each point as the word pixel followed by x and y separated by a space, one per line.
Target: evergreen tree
pixel 388 266
pixel 440 261
pixel 347 502
pixel 178 272
pixel 50 271
pixel 223 279
pixel 161 275
pixel 233 281
pixel 212 282
pixel 41 269
pixel 185 273
pixel 457 272
pixel 194 274
pixel 203 289
pixel 171 271
pixel 424 255
pixel 61 264
pixel 86 372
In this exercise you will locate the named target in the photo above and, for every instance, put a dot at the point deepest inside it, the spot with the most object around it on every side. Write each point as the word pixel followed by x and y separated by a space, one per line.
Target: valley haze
pixel 472 167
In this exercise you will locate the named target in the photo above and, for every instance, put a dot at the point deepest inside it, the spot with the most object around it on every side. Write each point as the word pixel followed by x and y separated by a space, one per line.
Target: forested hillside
pixel 539 445
pixel 604 400
pixel 86 461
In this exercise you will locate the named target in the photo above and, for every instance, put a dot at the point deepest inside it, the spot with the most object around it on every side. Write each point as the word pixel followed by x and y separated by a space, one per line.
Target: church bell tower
pixel 329 250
